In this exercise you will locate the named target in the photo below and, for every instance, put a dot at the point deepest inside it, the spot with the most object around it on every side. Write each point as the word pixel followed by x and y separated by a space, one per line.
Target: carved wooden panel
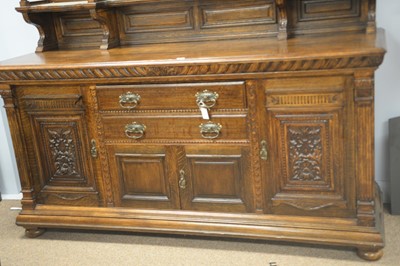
pixel 58 148
pixel 62 149
pixel 217 179
pixel 196 20
pixel 309 171
pixel 317 9
pixel 215 15
pixel 142 176
pixel 307 156
pixel 164 20
pixel 316 16
pixel 77 30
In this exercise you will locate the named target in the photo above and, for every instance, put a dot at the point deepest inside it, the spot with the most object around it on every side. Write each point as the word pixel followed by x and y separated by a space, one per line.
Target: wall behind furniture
pixel 387 89
pixel 18 38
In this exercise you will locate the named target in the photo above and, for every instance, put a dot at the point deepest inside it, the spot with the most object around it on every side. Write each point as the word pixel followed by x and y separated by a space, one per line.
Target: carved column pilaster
pixel 14 121
pixel 95 120
pixel 254 122
pixel 364 140
pixel 91 116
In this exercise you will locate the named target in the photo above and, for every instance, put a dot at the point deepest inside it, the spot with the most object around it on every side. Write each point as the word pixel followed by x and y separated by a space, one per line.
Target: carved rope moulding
pixel 188 70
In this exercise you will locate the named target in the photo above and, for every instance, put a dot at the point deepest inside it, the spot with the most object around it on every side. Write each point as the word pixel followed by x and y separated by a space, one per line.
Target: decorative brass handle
pixel 206 99
pixel 135 130
pixel 264 152
pixel 93 150
pixel 129 100
pixel 210 130
pixel 182 179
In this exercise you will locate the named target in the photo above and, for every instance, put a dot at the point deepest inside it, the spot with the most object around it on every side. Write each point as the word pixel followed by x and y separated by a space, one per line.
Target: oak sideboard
pixel 244 119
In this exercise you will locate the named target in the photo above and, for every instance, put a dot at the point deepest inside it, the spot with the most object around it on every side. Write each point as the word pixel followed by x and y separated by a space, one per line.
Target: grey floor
pixel 66 247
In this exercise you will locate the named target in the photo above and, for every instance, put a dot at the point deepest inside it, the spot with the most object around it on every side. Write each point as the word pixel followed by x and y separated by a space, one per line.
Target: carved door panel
pixel 143 176
pixel 308 167
pixel 58 146
pixel 214 178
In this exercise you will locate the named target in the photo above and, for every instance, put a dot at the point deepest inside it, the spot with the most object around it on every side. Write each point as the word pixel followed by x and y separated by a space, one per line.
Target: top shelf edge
pixel 42 7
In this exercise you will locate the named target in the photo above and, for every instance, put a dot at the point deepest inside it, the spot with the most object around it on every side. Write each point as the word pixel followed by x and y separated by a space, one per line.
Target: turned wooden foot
pixel 370 254
pixel 34 232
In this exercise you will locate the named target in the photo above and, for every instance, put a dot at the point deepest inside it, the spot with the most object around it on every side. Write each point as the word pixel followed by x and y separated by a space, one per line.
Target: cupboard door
pixel 58 146
pixel 215 178
pixel 309 164
pixel 143 176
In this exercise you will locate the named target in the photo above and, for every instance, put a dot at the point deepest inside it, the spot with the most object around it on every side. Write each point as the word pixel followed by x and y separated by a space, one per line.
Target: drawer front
pixel 174 127
pixel 229 95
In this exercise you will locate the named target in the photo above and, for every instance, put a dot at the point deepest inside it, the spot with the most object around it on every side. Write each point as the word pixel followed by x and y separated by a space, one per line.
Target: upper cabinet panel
pixel 77 30
pixel 177 21
pixel 67 25
pixel 317 10
pixel 322 16
pixel 261 12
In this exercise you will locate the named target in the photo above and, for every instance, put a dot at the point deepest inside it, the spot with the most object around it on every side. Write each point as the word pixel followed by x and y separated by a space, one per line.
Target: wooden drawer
pixel 231 95
pixel 174 127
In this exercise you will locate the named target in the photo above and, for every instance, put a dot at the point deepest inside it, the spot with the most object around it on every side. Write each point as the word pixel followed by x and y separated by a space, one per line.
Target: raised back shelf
pixel 70 25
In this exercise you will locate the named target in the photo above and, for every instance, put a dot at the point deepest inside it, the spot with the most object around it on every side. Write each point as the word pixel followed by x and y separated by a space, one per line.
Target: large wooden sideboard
pixel 245 119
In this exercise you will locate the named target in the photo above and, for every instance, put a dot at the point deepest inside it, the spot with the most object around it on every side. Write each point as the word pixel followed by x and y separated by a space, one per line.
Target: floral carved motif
pixel 62 148
pixel 305 153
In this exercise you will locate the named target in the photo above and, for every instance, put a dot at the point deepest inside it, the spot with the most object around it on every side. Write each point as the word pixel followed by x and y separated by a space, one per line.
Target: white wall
pixel 17 38
pixel 387 91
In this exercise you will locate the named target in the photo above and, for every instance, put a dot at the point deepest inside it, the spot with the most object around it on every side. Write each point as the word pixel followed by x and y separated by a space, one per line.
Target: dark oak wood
pixel 34 232
pixel 191 125
pixel 109 23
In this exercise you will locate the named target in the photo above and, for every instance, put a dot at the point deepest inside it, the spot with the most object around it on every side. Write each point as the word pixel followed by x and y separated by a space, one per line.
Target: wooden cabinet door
pixel 214 178
pixel 58 145
pixel 308 139
pixel 143 176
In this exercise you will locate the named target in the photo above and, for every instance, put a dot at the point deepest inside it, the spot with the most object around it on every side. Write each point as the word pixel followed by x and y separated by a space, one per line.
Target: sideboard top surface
pixel 245 50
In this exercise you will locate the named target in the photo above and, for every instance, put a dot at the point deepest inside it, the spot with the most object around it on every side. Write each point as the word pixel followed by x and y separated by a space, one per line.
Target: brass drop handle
pixel 93 149
pixel 182 179
pixel 129 100
pixel 206 99
pixel 135 130
pixel 210 130
pixel 264 152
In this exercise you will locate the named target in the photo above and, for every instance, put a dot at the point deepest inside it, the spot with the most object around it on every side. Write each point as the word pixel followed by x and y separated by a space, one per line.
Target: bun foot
pixel 34 232
pixel 370 254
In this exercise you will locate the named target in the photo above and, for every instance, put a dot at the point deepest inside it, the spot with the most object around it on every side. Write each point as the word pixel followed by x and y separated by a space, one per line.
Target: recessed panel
pixel 158 21
pixel 218 178
pixel 328 9
pixel 77 30
pixel 61 145
pixel 142 177
pixel 79 26
pixel 216 181
pixel 189 20
pixel 215 16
